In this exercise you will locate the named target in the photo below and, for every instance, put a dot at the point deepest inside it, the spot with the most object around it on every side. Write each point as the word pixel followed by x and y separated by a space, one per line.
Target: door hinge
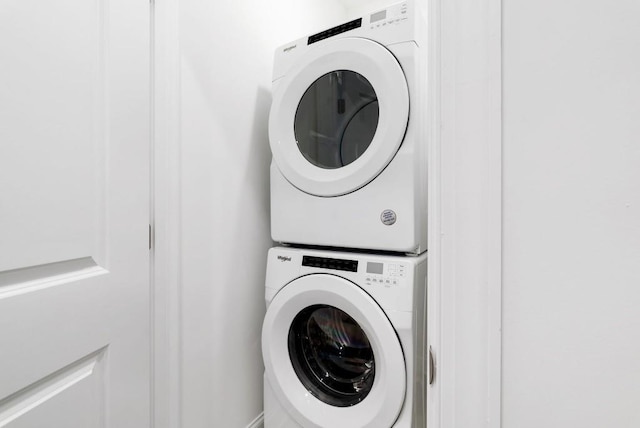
pixel 432 367
pixel 149 236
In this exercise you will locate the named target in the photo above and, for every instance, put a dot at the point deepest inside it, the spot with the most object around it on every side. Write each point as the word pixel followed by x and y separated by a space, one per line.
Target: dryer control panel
pixel 389 17
pixel 393 15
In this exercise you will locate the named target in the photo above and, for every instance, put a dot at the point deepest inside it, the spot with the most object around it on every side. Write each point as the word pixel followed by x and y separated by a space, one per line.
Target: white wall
pixel 226 51
pixel 571 121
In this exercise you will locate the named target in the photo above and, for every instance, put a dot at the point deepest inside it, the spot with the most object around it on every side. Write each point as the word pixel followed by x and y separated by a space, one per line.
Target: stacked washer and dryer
pixel 344 336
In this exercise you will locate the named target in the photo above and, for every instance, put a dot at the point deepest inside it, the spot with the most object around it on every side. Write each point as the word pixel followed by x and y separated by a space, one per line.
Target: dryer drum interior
pixel 331 355
pixel 336 119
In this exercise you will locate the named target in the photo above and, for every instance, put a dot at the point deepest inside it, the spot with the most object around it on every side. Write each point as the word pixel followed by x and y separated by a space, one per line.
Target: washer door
pixel 331 355
pixel 338 118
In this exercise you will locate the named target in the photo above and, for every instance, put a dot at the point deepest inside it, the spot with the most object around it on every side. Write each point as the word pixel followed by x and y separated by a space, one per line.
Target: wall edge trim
pixel 258 422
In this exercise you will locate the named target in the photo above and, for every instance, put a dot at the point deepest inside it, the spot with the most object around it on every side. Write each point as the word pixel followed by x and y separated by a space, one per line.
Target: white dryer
pixel 347 131
pixel 343 340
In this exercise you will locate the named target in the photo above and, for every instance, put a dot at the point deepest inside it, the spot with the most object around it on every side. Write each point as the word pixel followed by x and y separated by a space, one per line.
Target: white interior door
pixel 74 213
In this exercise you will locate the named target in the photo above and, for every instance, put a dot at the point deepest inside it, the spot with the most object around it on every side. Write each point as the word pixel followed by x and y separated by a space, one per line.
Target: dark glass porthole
pixel 331 355
pixel 336 119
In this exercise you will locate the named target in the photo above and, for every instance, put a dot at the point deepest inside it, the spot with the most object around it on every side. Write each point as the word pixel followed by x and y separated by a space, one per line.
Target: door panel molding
pixel 35 278
pixel 55 98
pixel 38 393
pixel 465 222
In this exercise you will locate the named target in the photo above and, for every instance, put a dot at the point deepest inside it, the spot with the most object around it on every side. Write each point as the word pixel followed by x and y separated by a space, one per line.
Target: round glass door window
pixel 336 119
pixel 331 355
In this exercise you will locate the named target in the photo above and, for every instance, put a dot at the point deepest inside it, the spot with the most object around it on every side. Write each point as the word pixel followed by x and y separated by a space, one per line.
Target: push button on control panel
pixel 385 274
pixel 382 280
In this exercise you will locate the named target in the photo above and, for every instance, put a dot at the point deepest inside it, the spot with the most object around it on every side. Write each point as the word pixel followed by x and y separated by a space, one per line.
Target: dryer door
pixel 339 116
pixel 331 355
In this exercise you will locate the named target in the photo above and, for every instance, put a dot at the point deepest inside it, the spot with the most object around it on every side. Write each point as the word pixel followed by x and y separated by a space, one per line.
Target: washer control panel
pixel 385 274
pixel 376 272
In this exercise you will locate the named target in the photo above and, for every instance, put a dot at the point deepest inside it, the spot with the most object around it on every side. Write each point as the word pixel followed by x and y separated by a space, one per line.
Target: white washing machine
pixel 343 340
pixel 347 131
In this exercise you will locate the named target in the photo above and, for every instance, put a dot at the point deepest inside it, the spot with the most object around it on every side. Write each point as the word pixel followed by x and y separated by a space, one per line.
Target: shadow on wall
pixel 227 235
pixel 257 172
pixel 257 196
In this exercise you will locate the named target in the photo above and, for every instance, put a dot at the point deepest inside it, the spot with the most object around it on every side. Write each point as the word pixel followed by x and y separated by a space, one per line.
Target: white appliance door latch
pixel 432 367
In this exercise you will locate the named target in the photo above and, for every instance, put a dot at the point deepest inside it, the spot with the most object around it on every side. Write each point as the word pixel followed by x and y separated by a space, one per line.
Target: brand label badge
pixel 388 217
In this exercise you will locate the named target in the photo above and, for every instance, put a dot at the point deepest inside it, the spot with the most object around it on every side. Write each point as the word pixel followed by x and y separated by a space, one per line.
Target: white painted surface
pixel 74 214
pixel 465 214
pixel 166 211
pixel 571 214
pixel 219 212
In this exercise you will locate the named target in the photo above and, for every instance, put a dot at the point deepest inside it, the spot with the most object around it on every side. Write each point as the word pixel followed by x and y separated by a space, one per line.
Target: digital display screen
pixel 376 268
pixel 378 16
